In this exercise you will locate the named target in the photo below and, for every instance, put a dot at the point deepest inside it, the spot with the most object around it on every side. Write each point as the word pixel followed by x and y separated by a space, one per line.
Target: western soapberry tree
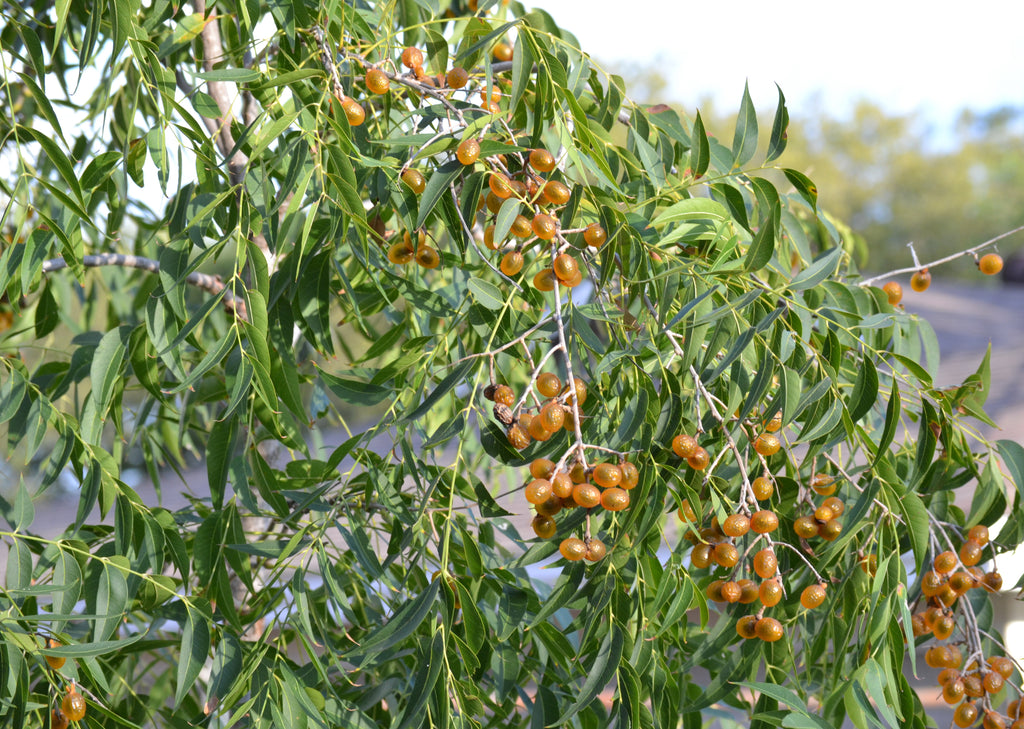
pixel 516 404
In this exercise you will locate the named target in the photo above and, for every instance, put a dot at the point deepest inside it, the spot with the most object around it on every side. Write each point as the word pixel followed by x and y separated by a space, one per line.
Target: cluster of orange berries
pixel 990 264
pixel 405 251
pixel 72 708
pixel 605 485
pixel 944 584
pixel 553 414
pixel 824 522
pixel 963 688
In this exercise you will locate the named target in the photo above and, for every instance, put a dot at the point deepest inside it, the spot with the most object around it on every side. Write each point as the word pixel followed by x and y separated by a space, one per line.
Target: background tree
pixel 454 359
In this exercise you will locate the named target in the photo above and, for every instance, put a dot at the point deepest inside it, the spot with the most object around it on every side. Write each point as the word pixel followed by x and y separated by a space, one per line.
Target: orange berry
pixel 992 682
pixel 769 629
pixel 630 475
pixel 607 475
pixel 686 512
pixel 770 593
pixel 965 714
pixel 556 193
pixel 615 499
pixel 512 263
pixel 468 151
pixel 746 626
pixel 565 266
pixel 537 429
pixel 544 526
pixel 944 627
pixel 749 591
pixel 594 235
pixel 921 280
pixel 894 292
pixel 573 549
pixel 736 525
pixel 544 280
pixel 837 505
pixel 595 550
pixel 701 555
pixel 767 444
pixel 58 720
pixel 805 527
pixel 57 662
pixel 400 253
pixel 979 533
pixel 518 438
pixel 538 491
pixel 990 264
pixel 586 495
pixel 992 720
pixel 764 521
pixel 830 530
pixel 542 468
pixel 544 227
pixel 412 57
pixel 714 591
pixel 953 689
pixel 932 583
pixel 684 445
pixel 377 81
pixel 944 562
pixel 726 554
pixel 354 111
pixel 415 180
pixel 428 257
pixel 731 592
pixel 499 185
pixel 73 705
pixel 457 77
pixel 762 487
pixel 542 160
pixel 562 485
pixel 823 484
pixel 766 563
pixel 520 227
pixel 992 582
pixel 502 52
pixel 1001 665
pixel 548 384
pixel 699 460
pixel 812 596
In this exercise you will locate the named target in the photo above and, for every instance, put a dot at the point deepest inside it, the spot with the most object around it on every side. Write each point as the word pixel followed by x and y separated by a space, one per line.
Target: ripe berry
pixel 550 507
pixel 699 460
pixel 823 484
pixel 894 291
pixel 979 533
pixel 748 592
pixel 830 530
pixel 537 430
pixel 767 444
pixel 73 705
pixel 726 554
pixel 502 52
pixel 544 280
pixel 953 690
pixel 415 180
pixel 552 416
pixel 731 592
pixel 775 424
pixel 948 674
pixel 824 513
pixel 542 468
pixel 937 656
pixel 837 505
pixel 468 151
pixel 992 682
pixel 594 235
pixel 945 562
pixel 630 475
pixel 493 202
pixel 961 582
pixel 428 257
pixel 762 487
pixel 542 160
pixel 58 720
pixel 764 521
pixel 607 475
pixel 992 720
pixel 573 549
pixel 766 563
pixel 544 227
pixel 399 252
pixel 812 596
pixel 512 263
pixel 556 193
pixel 518 438
pixel 921 280
pixel 714 591
pixel 944 627
pixel 55 662
pixel 992 582
pixel 457 77
pixel 595 550
pixel 561 485
pixel 769 629
pixel 354 111
pixel 586 495
pixel 932 583
pixel 577 391
pixel 684 445
pixel 1001 665
pixel 746 627
pixel 615 499
pixel 544 526
pixel 965 714
pixel 701 555
pixel 377 81
pixel 499 185
pixel 990 264
pixel 548 384
pixel 412 57
pixel 538 491
pixel 520 227
pixel 686 512
pixel 973 686
pixel 770 593
pixel 805 527
pixel 736 525
pixel 503 395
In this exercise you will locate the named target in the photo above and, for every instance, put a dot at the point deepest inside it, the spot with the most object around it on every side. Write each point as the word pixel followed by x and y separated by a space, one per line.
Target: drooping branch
pixel 211 284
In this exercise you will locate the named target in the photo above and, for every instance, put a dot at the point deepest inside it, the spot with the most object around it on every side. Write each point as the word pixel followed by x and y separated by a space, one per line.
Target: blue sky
pixel 934 58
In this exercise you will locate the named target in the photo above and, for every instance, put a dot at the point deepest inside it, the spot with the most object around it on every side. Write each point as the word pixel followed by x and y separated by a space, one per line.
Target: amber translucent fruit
pixel 412 57
pixel 746 627
pixel 55 662
pixel 73 705
pixel 762 487
pixel 502 52
pixel 921 280
pixel 468 151
pixel 377 81
pixel 556 193
pixel 457 77
pixel 542 160
pixel 768 629
pixel 512 263
pixel 58 720
pixel 770 593
pixel 573 549
pixel 354 111
pixel 415 180
pixel 812 596
pixel 736 525
pixel 544 526
pixel 765 563
pixel 699 460
pixel 990 264
pixel 894 292
pixel 823 484
pixel 684 445
pixel 544 227
pixel 767 444
pixel 764 521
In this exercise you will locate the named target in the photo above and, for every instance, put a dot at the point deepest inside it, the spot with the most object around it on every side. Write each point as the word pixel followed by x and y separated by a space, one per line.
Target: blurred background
pixel 908 116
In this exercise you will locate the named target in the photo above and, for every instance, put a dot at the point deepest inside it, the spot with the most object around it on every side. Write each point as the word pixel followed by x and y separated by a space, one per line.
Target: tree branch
pixel 211 284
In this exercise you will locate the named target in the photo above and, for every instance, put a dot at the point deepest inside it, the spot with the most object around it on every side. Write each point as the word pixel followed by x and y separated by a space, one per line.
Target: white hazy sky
pixel 932 57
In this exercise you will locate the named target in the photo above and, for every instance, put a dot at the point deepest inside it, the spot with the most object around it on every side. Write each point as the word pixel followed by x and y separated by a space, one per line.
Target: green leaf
pixel 744 140
pixel 777 141
pixel 486 294
pixel 220 449
pixel 437 185
pixel 803 184
pixel 354 391
pixel 423 683
pixel 692 208
pixel 110 591
pixel 700 152
pixel 915 516
pixel 892 417
pixel 24 512
pixel 19 566
pixel 195 645
pixel 443 388
pixel 402 624
pixel 763 245
pixel 779 693
pixel 600 670
pixel 865 390
pixel 822 268
pixel 1013 456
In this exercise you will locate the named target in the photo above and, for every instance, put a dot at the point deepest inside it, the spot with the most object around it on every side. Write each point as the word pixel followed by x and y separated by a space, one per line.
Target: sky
pixel 934 58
